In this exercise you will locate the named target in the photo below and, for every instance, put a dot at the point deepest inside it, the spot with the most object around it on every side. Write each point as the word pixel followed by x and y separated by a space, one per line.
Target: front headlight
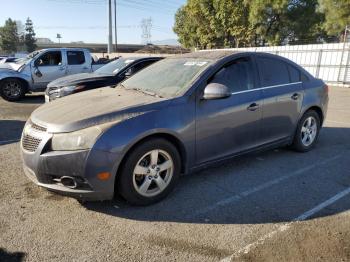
pixel 66 90
pixel 78 140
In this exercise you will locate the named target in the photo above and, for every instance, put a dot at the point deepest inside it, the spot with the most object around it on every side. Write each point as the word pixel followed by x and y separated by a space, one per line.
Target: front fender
pixel 177 121
pixel 4 74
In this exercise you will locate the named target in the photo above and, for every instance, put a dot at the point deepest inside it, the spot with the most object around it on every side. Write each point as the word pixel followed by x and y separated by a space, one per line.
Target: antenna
pixel 146 25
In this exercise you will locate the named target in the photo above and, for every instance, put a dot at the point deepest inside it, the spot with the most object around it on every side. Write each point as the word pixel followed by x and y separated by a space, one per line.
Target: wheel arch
pixel 318 110
pixel 167 136
pixel 25 82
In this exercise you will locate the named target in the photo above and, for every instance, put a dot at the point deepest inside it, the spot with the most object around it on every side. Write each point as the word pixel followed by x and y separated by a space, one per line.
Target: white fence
pixel 330 62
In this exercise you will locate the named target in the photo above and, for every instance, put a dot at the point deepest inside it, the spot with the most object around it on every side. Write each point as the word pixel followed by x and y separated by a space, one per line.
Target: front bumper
pixel 45 168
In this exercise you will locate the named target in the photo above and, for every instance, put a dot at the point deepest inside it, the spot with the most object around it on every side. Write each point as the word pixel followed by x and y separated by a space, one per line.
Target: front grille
pixel 38 128
pixel 30 143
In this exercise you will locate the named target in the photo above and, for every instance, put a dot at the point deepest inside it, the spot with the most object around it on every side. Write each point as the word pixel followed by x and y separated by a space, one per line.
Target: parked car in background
pixel 35 71
pixel 110 74
pixel 4 60
pixel 175 116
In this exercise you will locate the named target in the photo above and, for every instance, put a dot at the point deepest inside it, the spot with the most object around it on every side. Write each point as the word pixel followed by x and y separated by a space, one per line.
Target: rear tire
pixel 307 132
pixel 150 172
pixel 12 89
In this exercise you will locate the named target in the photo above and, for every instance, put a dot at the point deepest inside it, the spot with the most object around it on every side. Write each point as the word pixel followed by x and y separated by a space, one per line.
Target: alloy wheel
pixel 153 173
pixel 309 131
pixel 12 89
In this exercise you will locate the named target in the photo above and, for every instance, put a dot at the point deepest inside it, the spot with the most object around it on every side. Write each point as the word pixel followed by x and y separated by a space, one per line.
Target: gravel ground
pixel 253 208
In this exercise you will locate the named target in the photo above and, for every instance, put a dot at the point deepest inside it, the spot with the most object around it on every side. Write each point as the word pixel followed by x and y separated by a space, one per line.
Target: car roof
pixel 138 58
pixel 213 54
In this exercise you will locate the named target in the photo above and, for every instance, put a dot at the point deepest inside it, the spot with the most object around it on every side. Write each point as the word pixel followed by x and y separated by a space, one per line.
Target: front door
pixel 283 97
pixel 48 67
pixel 231 125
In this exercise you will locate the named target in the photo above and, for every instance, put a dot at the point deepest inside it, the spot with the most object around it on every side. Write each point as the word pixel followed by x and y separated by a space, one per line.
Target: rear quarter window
pixel 295 74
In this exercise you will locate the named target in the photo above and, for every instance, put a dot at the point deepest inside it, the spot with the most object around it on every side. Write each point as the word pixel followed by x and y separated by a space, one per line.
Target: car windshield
pixel 167 78
pixel 114 67
pixel 28 57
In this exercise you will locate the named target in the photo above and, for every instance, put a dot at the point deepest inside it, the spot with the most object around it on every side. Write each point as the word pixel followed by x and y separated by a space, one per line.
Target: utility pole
pixel 110 40
pixel 59 38
pixel 115 26
pixel 146 25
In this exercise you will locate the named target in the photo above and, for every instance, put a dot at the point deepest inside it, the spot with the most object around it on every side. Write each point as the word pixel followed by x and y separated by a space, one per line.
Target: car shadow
pixel 36 98
pixel 13 131
pixel 11 257
pixel 234 192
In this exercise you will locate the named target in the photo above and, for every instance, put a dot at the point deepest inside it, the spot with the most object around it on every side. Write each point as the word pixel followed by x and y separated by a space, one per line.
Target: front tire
pixel 307 132
pixel 150 172
pixel 12 90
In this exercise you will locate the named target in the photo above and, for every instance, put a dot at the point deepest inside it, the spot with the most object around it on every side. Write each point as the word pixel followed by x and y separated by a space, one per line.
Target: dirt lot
pixel 272 206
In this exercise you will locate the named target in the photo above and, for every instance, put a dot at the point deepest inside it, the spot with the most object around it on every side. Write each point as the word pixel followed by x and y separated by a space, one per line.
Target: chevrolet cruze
pixel 178 115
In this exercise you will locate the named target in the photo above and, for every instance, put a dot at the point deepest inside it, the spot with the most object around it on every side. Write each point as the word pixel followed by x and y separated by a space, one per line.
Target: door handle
pixel 295 96
pixel 253 107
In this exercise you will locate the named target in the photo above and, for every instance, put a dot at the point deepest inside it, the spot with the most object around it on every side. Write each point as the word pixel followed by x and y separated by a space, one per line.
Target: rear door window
pixel 75 57
pixel 237 76
pixel 272 71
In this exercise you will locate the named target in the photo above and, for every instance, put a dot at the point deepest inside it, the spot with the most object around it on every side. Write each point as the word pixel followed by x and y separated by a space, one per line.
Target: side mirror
pixel 37 72
pixel 216 91
pixel 128 73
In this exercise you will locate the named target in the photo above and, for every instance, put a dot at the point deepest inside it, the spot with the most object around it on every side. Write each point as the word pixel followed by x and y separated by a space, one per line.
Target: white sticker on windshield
pixel 193 63
pixel 129 61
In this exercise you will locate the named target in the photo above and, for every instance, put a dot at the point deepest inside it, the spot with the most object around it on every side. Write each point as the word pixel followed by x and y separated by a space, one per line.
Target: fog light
pixel 103 176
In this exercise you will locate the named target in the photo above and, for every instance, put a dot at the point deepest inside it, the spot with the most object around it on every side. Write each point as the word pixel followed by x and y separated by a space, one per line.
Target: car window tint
pixel 272 71
pixel 75 57
pixel 304 78
pixel 140 66
pixel 294 74
pixel 237 76
pixel 53 58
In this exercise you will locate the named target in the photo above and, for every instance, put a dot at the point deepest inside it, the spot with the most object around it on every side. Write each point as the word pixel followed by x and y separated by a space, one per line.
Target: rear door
pixel 231 125
pixel 77 62
pixel 283 95
pixel 48 67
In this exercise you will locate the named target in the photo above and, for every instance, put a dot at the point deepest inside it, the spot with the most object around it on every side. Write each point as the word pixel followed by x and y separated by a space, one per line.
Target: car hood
pixel 94 107
pixel 9 66
pixel 77 79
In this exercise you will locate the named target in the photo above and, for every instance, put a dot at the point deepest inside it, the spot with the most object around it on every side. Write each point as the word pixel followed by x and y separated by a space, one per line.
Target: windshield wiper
pixel 147 92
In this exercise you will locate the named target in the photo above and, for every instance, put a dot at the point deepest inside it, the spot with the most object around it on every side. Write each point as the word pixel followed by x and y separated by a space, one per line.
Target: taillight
pixel 326 88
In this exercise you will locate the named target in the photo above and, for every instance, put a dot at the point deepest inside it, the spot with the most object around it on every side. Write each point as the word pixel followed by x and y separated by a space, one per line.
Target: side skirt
pixel 280 143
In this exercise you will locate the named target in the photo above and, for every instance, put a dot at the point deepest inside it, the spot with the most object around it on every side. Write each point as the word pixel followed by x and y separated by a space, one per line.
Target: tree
pixel 337 15
pixel 240 23
pixel 213 24
pixel 29 36
pixel 305 23
pixel 9 38
pixel 233 23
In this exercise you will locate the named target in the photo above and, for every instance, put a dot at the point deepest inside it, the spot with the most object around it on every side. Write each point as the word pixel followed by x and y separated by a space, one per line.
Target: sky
pixel 86 20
